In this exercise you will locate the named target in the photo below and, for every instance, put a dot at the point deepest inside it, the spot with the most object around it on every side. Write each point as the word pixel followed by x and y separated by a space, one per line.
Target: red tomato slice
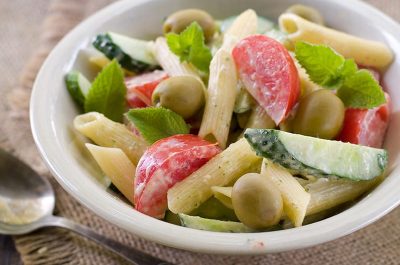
pixel 269 74
pixel 141 88
pixel 366 126
pixel 134 101
pixel 165 163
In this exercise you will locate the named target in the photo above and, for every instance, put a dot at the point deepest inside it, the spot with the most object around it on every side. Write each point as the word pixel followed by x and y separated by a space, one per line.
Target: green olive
pixel 256 201
pixel 320 114
pixel 181 94
pixel 180 20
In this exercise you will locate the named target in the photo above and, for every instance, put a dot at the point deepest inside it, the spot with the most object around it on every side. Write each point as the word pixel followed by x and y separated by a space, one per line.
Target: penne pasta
pixel 364 52
pixel 108 133
pixel 222 84
pixel 307 12
pixel 117 166
pixel 224 195
pixel 170 62
pixel 295 198
pixel 244 25
pixel 220 100
pixel 328 193
pixel 223 169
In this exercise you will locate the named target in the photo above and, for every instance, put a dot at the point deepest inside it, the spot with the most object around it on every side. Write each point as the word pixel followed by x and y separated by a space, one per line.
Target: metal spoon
pixel 27 203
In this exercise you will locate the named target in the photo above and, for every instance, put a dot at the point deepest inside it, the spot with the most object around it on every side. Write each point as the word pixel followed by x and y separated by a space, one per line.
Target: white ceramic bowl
pixel 52 112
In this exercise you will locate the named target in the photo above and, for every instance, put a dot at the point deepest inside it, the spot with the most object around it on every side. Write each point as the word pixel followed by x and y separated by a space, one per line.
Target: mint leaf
pixel 348 68
pixel 189 45
pixel 356 88
pixel 107 93
pixel 322 64
pixel 361 91
pixel 157 123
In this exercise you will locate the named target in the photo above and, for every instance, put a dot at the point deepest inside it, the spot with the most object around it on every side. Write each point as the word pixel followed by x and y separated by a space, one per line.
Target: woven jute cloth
pixel 379 243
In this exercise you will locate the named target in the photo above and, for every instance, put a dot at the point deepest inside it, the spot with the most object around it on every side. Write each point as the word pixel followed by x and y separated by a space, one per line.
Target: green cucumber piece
pixel 200 223
pixel 78 86
pixel 318 157
pixel 133 54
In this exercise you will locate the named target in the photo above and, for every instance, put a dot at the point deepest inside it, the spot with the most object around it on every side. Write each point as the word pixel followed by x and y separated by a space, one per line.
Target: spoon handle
pixel 130 254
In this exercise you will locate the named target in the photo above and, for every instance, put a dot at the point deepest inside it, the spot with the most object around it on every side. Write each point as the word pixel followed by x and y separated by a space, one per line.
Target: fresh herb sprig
pixel 107 93
pixel 356 88
pixel 157 123
pixel 190 47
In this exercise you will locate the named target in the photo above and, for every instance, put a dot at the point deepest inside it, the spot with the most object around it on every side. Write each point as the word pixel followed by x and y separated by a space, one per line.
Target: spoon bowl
pixel 27 202
pixel 26 198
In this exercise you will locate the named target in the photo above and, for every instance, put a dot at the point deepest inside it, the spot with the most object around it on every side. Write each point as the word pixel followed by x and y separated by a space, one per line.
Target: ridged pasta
pixel 328 193
pixel 224 195
pixel 221 170
pixel 244 25
pixel 295 198
pixel 117 166
pixel 364 52
pixel 220 100
pixel 170 62
pixel 223 81
pixel 108 133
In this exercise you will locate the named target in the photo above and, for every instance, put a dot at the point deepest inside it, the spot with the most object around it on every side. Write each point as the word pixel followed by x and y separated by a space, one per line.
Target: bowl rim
pixel 144 226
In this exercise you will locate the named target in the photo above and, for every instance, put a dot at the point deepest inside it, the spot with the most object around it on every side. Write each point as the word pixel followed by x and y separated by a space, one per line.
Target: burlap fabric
pixel 377 244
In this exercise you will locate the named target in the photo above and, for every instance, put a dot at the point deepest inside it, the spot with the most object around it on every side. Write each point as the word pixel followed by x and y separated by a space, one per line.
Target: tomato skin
pixel 140 88
pixel 366 126
pixel 134 101
pixel 165 163
pixel 269 74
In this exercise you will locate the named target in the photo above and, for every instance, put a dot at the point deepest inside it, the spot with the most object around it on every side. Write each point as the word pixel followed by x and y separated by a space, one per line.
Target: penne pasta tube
pixel 224 168
pixel 328 193
pixel 224 195
pixel 117 166
pixel 220 99
pixel 108 133
pixel 222 84
pixel 244 25
pixel 307 12
pixel 295 198
pixel 364 52
pixel 170 62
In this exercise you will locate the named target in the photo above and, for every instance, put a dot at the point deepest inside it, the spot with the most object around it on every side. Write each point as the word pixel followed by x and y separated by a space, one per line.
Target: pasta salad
pixel 239 124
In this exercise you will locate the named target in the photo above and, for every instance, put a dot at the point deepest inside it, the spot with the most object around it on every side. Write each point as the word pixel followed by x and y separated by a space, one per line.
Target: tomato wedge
pixel 269 74
pixel 141 88
pixel 165 163
pixel 366 126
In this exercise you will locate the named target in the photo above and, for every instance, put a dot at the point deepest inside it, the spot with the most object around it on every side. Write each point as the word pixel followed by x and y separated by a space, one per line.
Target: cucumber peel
pixel 318 157
pixel 133 54
pixel 213 225
pixel 78 86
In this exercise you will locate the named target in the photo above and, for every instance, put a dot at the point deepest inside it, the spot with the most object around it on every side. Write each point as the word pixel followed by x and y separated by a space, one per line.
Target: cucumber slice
pixel 318 157
pixel 78 86
pixel 200 223
pixel 133 54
